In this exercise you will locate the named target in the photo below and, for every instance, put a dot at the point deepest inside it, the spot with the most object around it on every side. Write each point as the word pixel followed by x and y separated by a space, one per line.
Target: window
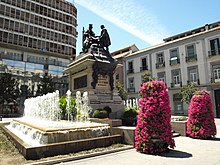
pixel 174 57
pixel 178 105
pixel 176 77
pixel 143 64
pixel 160 58
pixel 161 76
pixel 216 73
pixel 215 47
pixel 130 67
pixel 131 85
pixel 193 75
pixel 191 53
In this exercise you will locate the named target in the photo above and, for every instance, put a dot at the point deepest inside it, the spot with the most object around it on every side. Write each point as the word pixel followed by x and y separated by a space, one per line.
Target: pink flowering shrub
pixel 201 122
pixel 153 133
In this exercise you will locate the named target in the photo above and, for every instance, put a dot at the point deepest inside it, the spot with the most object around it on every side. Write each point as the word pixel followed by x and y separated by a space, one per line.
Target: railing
pixel 131 103
pixel 172 85
pixel 191 58
pixel 131 89
pixel 175 62
pixel 160 65
pixel 130 71
pixel 215 80
pixel 196 82
pixel 143 68
pixel 214 52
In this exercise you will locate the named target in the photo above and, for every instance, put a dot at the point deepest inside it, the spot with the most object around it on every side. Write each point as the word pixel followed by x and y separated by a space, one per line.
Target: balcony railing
pixel 172 85
pixel 160 65
pixel 191 58
pixel 143 68
pixel 175 61
pixel 215 80
pixel 130 71
pixel 131 89
pixel 214 52
pixel 196 82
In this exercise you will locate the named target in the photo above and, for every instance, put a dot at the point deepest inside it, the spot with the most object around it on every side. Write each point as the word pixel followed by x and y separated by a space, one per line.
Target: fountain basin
pixel 46 132
pixel 53 149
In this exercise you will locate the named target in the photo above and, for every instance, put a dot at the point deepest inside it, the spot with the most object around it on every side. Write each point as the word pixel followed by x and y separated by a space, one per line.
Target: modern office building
pixel 192 56
pixel 37 38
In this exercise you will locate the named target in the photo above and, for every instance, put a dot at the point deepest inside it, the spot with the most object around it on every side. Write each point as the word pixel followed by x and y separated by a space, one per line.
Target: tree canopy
pixel 9 89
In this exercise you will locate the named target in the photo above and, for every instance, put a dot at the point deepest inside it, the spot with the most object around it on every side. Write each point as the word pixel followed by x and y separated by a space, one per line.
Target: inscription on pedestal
pixel 103 82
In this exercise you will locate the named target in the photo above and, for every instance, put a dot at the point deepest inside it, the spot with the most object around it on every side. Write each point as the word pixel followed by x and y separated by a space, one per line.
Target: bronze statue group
pixel 91 40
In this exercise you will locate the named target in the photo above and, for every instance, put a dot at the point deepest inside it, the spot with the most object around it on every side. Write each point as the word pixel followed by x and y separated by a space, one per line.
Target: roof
pixel 132 47
pixel 174 41
pixel 194 31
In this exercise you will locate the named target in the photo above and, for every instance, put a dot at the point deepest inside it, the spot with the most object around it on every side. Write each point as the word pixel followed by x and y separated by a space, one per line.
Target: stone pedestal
pixel 91 74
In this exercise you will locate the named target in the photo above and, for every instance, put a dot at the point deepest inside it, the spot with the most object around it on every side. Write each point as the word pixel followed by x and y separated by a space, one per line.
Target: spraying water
pixel 42 114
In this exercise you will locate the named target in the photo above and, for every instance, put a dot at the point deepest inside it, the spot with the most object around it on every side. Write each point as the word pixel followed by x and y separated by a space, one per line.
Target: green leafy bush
pixel 130 117
pixel 63 106
pixel 100 113
pixel 133 112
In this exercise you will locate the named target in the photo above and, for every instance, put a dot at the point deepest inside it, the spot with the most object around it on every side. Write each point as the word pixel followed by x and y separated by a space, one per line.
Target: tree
pixel 9 89
pixel 25 91
pixel 187 92
pixel 121 90
pixel 46 86
pixel 147 76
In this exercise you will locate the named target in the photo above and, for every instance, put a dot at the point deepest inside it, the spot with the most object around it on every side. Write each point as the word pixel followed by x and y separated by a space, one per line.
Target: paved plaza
pixel 188 151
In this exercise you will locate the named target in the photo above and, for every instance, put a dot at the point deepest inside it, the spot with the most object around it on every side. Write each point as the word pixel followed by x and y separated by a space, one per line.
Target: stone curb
pixel 73 158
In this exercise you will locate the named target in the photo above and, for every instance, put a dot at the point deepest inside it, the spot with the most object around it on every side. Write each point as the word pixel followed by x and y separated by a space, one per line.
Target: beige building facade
pixel 192 56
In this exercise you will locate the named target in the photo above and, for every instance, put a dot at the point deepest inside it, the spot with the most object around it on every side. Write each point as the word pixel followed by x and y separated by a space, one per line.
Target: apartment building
pixel 192 56
pixel 119 55
pixel 37 37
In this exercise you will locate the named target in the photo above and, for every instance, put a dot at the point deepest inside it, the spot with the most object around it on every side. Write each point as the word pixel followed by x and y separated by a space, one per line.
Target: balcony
pixel 131 90
pixel 143 68
pixel 129 71
pixel 160 65
pixel 174 61
pixel 191 58
pixel 215 80
pixel 214 52
pixel 194 81
pixel 173 85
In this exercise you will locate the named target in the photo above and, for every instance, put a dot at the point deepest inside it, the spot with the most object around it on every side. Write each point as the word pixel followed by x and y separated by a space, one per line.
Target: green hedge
pixel 130 117
pixel 133 112
pixel 100 113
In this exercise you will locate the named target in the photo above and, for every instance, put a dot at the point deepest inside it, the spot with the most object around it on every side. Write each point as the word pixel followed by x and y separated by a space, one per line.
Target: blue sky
pixel 143 22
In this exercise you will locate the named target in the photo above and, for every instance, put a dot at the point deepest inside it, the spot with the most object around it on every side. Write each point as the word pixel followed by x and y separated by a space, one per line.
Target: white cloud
pixel 130 16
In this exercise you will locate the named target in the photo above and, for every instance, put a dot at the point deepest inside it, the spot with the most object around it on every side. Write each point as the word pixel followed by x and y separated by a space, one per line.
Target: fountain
pixel 41 127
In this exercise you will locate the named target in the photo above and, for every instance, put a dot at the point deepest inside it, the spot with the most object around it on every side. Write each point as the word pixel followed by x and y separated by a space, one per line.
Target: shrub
pixel 133 112
pixel 153 132
pixel 63 104
pixel 100 113
pixel 201 122
pixel 130 117
pixel 108 109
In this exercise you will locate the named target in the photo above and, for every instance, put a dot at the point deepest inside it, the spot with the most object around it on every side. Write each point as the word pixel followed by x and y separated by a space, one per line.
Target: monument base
pixel 99 99
pixel 96 76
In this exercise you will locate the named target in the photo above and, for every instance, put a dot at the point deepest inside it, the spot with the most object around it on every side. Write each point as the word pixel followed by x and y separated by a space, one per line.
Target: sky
pixel 143 22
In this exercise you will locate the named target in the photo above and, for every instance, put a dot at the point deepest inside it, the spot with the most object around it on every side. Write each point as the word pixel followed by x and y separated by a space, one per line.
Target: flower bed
pixel 201 122
pixel 153 133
